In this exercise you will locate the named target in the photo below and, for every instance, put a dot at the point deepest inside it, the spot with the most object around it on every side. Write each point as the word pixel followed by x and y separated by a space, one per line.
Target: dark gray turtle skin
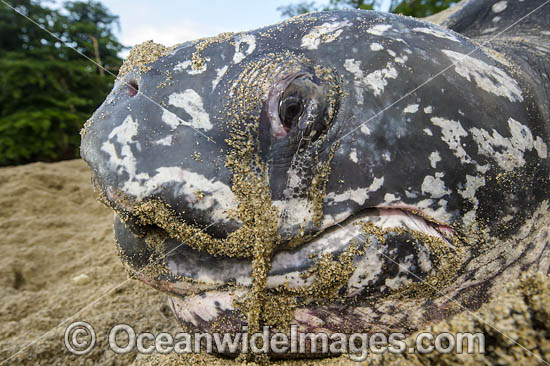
pixel 389 171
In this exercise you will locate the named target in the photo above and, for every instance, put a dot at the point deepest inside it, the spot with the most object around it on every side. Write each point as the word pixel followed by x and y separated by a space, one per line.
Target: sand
pixel 58 256
pixel 58 259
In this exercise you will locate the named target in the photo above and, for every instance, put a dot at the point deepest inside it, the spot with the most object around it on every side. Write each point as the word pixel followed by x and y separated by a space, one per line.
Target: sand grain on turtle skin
pixel 307 203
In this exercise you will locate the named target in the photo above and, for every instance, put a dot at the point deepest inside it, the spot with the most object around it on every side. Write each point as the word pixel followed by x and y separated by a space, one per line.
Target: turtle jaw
pixel 173 266
pixel 391 251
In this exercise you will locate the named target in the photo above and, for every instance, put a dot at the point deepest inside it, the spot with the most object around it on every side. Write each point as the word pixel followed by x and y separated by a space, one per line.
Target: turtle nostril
pixel 132 88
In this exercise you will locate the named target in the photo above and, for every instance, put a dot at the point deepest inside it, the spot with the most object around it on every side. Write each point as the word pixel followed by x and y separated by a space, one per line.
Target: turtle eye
pixel 290 110
pixel 301 107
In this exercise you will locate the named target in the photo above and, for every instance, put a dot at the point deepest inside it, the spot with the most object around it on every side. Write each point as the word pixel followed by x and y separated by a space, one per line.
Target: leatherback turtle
pixel 343 171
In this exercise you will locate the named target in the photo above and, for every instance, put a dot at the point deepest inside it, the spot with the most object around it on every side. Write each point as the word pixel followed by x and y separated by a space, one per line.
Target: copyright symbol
pixel 79 338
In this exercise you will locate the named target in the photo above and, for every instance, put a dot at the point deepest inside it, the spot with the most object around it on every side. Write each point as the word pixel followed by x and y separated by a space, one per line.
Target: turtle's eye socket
pixel 290 110
pixel 300 107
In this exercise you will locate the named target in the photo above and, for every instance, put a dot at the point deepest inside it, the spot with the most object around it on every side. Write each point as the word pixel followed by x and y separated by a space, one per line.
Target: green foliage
pixel 415 8
pixel 421 8
pixel 297 9
pixel 47 90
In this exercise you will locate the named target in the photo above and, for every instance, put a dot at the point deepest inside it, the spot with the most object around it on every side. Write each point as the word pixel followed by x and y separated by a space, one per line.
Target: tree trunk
pixel 97 57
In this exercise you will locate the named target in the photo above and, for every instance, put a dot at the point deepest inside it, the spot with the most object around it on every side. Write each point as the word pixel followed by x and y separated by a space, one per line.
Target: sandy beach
pixel 58 259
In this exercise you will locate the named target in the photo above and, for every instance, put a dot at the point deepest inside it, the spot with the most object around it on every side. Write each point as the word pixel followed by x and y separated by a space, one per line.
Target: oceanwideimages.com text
pixel 80 339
